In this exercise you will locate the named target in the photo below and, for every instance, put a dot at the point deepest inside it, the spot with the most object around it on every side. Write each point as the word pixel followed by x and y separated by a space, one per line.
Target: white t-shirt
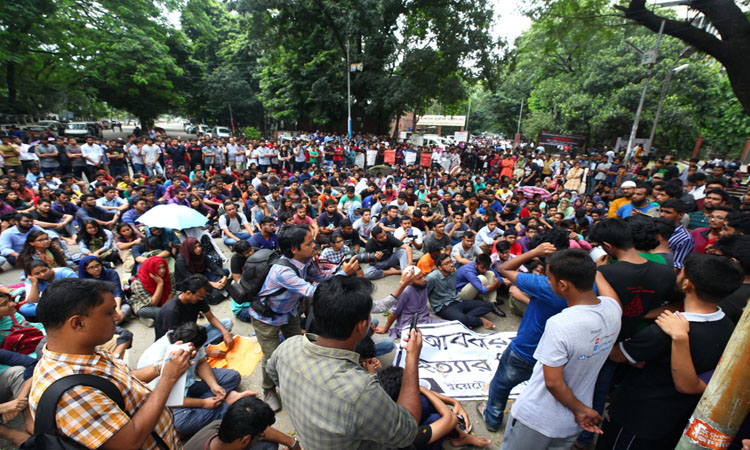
pixel 364 228
pixel 415 235
pixel 579 338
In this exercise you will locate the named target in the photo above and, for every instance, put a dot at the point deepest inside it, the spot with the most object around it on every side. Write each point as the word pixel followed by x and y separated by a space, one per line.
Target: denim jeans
pixel 383 345
pixel 190 420
pixel 512 371
pixel 139 168
pixel 243 235
pixel 214 333
pixel 375 271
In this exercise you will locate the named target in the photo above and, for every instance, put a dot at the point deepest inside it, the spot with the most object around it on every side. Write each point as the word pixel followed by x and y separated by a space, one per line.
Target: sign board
pixel 622 144
pixel 442 121
pixel 424 159
pixel 458 362
pixel 461 136
pixel 561 139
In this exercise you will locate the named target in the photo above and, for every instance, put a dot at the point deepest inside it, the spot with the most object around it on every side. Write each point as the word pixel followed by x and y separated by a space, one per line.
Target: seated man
pixel 206 400
pixel 431 251
pixel 13 238
pixel 234 225
pixel 408 234
pixel 16 370
pixel 245 426
pixel 465 251
pixel 477 280
pixel 79 315
pixel 388 251
pixel 38 278
pixel 441 288
pixel 411 300
pixel 49 219
pixel 186 306
pixel 265 238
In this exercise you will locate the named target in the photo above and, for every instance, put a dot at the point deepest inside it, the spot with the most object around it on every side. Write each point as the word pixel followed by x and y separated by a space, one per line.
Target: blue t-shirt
pixel 543 305
pixel 258 241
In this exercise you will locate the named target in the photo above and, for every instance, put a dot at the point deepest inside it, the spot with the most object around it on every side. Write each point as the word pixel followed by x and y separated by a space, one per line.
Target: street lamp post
pixel 664 89
pixel 649 58
pixel 348 82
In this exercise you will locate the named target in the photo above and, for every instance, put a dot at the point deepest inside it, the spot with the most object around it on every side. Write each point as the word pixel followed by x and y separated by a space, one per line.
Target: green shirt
pixel 441 290
pixel 333 402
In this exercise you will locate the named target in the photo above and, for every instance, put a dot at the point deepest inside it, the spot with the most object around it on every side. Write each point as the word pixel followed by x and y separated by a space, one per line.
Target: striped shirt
pixel 680 244
pixel 85 414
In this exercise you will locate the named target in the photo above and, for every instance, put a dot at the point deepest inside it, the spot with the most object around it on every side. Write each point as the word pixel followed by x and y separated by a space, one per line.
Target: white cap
pixel 628 184
pixel 414 269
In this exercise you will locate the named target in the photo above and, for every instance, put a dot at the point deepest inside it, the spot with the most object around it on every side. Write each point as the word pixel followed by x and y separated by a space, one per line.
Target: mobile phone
pixel 413 323
pixel 461 423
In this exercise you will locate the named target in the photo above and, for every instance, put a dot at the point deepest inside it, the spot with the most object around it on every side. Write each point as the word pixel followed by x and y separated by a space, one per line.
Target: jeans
pixel 116 171
pixel 244 236
pixel 214 333
pixel 155 169
pixel 375 271
pixel 9 259
pixel 139 168
pixel 383 345
pixel 190 420
pixel 511 371
pixel 601 389
pixel 467 312
pixel 148 312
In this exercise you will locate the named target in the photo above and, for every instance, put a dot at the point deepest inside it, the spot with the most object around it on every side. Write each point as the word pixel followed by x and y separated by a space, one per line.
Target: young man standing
pixel 681 242
pixel 556 404
pixel 332 402
pixel 649 409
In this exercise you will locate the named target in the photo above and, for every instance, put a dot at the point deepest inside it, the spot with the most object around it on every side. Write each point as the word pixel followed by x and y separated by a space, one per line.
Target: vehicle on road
pixel 35 132
pixel 202 129
pixel 221 132
pixel 95 129
pixel 57 126
pixel 78 130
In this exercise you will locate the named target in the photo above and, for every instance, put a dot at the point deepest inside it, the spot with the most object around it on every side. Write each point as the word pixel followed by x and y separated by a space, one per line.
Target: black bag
pixel 45 435
pixel 256 270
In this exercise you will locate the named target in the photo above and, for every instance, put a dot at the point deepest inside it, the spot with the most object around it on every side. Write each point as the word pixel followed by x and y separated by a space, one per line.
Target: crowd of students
pixel 629 279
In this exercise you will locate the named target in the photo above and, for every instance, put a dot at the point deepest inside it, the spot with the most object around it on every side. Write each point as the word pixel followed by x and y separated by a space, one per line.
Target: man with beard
pixel 639 203
pixel 627 189
pixel 412 300
pixel 12 239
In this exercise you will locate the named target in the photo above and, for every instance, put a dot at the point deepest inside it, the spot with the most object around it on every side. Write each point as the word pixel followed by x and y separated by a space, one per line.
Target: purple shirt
pixel 412 301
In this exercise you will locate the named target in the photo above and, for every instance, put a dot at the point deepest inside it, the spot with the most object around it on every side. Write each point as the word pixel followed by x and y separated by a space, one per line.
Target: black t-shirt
pixel 641 288
pixel 351 240
pixel 324 220
pixel 115 151
pixel 647 403
pixel 237 263
pixel 736 302
pixel 174 313
pixel 52 216
pixel 477 224
pixel 386 246
pixel 395 223
pixel 194 151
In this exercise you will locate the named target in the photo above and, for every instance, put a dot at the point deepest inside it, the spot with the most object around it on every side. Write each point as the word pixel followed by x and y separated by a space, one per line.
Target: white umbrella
pixel 176 217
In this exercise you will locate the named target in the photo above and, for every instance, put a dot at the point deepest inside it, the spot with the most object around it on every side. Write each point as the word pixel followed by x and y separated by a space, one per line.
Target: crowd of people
pixel 629 278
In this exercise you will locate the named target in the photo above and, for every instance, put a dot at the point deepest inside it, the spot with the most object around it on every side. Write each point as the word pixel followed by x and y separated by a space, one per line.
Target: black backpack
pixel 254 275
pixel 45 435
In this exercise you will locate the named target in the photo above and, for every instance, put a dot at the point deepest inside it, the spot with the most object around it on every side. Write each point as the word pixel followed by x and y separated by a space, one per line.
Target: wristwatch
pixel 295 445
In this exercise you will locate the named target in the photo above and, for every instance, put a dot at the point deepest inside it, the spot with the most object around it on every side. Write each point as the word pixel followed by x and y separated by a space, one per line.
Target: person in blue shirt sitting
pixel 265 238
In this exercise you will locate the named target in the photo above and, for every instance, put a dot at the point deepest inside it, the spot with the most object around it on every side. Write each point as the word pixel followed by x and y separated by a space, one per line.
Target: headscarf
pixel 85 262
pixel 151 266
pixel 195 263
pixel 351 215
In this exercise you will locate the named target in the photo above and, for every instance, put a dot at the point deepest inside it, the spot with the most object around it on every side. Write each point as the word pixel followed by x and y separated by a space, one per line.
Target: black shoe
pixel 498 311
pixel 499 301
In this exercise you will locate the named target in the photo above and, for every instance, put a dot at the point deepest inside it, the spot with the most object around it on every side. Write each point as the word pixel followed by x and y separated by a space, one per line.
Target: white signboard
pixel 461 136
pixel 458 362
pixel 444 121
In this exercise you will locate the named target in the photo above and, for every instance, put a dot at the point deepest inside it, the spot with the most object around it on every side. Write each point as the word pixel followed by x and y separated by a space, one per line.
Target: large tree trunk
pixel 731 48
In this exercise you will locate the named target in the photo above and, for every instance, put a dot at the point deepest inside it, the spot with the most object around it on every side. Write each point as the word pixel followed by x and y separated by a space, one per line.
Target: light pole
pixel 348 81
pixel 664 88
pixel 649 58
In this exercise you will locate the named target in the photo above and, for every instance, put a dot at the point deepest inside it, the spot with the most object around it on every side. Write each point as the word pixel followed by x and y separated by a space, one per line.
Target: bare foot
pixel 467 439
pixel 391 272
pixel 233 396
pixel 487 324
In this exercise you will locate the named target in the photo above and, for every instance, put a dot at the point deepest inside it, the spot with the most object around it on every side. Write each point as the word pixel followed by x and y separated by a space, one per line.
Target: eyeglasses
pixel 720 218
pixel 42 239
pixel 447 263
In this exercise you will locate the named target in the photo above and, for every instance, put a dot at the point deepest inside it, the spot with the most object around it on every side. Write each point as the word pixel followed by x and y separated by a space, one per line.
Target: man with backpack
pixel 277 308
pixel 115 409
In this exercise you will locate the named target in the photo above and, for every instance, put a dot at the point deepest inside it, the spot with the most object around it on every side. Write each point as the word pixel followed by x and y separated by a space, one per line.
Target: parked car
pixel 186 124
pixel 78 130
pixel 221 132
pixel 95 128
pixel 202 129
pixel 35 132
pixel 57 126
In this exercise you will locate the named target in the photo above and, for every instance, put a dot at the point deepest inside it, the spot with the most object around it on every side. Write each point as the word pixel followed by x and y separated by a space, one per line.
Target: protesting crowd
pixel 629 275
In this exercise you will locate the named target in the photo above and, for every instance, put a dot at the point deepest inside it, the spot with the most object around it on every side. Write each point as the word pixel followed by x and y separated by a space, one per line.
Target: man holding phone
pixel 289 280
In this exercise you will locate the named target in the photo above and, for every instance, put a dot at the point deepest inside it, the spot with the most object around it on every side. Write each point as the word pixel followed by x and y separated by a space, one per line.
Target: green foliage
pixel 251 132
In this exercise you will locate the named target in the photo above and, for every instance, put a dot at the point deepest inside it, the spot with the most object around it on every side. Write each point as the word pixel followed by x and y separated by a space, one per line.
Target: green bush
pixel 251 132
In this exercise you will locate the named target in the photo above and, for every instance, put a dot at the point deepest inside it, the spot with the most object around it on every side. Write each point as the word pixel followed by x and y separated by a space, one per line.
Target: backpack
pixel 254 275
pixel 21 339
pixel 45 435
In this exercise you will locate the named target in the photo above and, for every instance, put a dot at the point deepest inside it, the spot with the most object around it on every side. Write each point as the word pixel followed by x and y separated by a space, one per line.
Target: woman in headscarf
pixel 154 286
pixel 91 267
pixel 192 260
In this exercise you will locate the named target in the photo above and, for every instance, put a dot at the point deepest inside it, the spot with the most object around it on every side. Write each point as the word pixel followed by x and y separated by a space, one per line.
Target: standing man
pixel 332 402
pixel 681 242
pixel 93 154
pixel 285 285
pixel 151 154
pixel 627 189
pixel 80 315
pixel 48 156
pixel 556 404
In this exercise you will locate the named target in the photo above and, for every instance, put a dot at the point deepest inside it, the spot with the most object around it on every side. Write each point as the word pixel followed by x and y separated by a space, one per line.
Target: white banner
pixel 458 362
pixel 435 120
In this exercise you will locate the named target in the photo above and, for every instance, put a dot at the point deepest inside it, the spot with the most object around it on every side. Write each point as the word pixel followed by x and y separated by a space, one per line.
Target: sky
pixel 509 22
